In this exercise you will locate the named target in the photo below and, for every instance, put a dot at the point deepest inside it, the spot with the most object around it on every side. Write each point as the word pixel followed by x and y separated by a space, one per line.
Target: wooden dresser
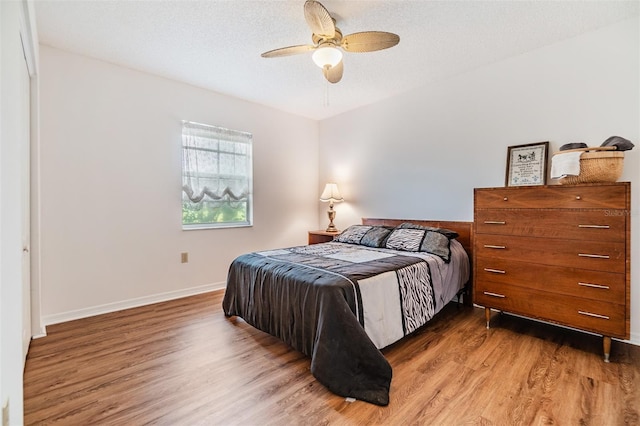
pixel 556 253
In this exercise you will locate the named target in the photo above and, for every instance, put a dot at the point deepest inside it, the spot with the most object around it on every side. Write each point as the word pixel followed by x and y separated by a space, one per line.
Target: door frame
pixel 29 38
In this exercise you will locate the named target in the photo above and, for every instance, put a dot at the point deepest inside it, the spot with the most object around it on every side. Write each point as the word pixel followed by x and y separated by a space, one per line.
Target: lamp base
pixel 332 228
pixel 332 215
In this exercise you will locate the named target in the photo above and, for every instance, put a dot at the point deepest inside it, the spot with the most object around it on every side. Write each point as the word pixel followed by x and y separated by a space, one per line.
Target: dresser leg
pixel 606 346
pixel 487 316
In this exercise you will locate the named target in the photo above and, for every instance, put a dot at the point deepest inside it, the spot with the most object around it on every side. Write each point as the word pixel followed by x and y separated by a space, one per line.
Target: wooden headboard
pixel 464 229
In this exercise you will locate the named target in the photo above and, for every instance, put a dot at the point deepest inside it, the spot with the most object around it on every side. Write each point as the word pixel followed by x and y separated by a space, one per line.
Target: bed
pixel 341 302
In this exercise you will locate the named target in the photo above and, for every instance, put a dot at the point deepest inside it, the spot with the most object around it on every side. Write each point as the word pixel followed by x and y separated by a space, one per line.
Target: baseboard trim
pixel 127 304
pixel 42 333
pixel 634 339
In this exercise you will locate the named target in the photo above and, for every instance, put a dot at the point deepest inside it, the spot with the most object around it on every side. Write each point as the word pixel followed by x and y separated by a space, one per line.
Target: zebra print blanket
pixel 339 304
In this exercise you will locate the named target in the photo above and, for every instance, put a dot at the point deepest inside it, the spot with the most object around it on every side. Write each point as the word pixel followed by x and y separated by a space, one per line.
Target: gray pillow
pixel 436 243
pixel 446 232
pixel 376 236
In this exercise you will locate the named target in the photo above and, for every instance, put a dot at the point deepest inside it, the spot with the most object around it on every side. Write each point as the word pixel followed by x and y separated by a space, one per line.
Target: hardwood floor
pixel 183 363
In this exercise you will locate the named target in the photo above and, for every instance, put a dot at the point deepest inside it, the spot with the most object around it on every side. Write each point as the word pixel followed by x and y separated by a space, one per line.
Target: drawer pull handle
pixel 505 199
pixel 494 247
pixel 589 314
pixel 488 293
pixel 495 271
pixel 593 256
pixel 604 287
pixel 495 222
pixel 594 226
pixel 578 197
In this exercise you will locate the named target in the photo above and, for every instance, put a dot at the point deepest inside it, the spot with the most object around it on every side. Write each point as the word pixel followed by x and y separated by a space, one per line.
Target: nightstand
pixel 316 237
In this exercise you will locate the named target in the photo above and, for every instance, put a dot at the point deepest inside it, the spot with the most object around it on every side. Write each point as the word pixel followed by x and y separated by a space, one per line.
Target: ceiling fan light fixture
pixel 327 56
pixel 329 43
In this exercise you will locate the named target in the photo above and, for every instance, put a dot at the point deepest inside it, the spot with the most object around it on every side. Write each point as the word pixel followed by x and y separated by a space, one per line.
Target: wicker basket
pixel 596 165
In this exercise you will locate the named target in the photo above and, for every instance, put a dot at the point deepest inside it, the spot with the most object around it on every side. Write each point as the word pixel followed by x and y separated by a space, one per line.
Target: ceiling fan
pixel 328 40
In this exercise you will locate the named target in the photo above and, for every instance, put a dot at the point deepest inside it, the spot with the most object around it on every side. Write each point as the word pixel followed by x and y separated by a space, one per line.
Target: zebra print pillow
pixel 405 239
pixel 410 239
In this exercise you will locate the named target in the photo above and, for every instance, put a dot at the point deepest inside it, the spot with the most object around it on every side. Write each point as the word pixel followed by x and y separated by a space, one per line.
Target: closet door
pixel 23 104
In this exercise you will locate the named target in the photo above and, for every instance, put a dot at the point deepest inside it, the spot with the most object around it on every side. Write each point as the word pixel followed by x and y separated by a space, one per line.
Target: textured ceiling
pixel 217 44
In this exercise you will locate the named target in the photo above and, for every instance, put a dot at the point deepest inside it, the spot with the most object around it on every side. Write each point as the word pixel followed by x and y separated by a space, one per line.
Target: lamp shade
pixel 331 193
pixel 327 56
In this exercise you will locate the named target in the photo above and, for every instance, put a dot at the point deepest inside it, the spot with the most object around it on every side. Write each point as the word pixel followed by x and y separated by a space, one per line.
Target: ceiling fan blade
pixel 369 41
pixel 286 51
pixel 333 74
pixel 319 19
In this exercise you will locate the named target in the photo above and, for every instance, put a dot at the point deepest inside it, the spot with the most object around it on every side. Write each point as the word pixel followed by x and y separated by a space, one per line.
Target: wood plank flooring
pixel 184 363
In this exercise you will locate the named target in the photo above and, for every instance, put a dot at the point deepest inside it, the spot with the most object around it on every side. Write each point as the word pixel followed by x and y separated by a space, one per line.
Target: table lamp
pixel 332 195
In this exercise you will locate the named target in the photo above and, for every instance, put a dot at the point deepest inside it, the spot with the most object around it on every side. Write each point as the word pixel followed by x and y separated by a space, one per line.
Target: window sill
pixel 198 227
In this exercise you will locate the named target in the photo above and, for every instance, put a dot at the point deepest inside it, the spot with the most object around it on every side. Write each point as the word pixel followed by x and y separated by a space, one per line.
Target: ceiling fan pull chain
pixel 325 103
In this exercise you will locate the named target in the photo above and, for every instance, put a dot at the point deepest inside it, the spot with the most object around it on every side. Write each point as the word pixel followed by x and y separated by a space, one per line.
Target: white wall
pixel 111 182
pixel 419 155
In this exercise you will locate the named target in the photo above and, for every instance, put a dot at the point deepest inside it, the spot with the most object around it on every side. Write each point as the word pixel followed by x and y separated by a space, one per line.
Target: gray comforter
pixel 311 297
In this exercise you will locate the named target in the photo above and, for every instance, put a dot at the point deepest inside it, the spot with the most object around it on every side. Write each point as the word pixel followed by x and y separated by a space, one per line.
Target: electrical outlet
pixel 184 257
pixel 5 414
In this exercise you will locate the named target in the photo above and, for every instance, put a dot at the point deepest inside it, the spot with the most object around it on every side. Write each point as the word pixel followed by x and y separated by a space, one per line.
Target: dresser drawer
pixel 600 225
pixel 596 285
pixel 594 255
pixel 587 314
pixel 605 196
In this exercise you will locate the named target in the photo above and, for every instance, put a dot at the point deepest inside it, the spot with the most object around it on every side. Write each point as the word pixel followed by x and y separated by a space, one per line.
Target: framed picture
pixel 527 164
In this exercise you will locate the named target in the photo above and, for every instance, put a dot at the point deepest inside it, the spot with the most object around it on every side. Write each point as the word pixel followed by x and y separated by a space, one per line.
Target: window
pixel 217 181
